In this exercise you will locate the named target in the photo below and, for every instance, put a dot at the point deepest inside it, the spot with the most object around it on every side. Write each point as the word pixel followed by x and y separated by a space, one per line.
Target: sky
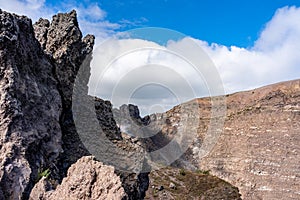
pixel 249 43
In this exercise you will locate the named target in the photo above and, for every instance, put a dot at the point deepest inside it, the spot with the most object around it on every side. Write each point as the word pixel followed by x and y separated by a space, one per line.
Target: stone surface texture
pixel 258 148
pixel 86 179
pixel 38 67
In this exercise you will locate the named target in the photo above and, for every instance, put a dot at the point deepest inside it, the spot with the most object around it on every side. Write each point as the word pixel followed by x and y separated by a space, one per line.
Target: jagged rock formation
pixel 39 64
pixel 106 119
pixel 92 180
pixel 258 150
pixel 69 51
pixel 62 41
pixel 135 185
pixel 30 108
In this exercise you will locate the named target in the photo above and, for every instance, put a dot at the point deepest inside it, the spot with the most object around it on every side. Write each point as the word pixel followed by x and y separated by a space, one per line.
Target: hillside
pixel 170 183
pixel 258 148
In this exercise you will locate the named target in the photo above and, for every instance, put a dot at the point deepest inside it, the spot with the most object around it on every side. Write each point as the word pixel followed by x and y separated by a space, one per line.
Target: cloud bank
pixel 273 58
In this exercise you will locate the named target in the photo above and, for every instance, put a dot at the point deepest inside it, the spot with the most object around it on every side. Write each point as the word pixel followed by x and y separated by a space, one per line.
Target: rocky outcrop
pixel 62 41
pixel 134 184
pixel 39 64
pixel 30 108
pixel 106 119
pixel 86 179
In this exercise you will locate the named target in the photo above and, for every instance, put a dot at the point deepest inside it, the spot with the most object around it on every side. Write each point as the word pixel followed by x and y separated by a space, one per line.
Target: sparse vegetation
pixel 43 173
pixel 199 171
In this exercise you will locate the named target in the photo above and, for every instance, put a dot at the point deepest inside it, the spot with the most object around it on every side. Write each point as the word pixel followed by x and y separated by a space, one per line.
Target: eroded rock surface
pixel 62 41
pixel 134 184
pixel 39 64
pixel 258 150
pixel 86 179
pixel 30 108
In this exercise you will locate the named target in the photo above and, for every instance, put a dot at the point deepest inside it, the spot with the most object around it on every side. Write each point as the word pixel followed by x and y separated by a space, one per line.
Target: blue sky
pixel 230 22
pixel 251 43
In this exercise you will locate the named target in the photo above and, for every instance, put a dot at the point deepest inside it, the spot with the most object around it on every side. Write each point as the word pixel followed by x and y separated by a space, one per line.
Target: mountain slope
pixel 258 150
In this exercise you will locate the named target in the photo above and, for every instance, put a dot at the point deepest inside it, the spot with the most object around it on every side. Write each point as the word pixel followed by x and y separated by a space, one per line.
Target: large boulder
pixel 86 179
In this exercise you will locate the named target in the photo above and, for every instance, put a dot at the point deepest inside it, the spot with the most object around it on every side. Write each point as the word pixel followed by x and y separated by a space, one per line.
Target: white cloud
pixel 92 11
pixel 32 8
pixel 282 30
pixel 144 73
pixel 273 58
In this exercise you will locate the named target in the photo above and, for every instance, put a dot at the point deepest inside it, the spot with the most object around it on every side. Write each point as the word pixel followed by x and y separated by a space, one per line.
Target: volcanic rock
pixel 258 149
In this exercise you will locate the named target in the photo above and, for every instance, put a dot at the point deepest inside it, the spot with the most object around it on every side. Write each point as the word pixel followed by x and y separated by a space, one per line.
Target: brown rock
pixel 258 150
pixel 86 179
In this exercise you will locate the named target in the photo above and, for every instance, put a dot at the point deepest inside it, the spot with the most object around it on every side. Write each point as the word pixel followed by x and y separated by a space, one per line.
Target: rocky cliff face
pixel 39 64
pixel 30 108
pixel 177 182
pixel 62 41
pixel 258 149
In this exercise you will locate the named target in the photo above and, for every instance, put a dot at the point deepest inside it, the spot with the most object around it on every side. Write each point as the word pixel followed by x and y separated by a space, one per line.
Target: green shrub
pixel 46 173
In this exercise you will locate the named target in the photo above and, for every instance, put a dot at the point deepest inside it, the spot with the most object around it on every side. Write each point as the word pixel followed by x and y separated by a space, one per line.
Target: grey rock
pixel 40 188
pixel 30 108
pixel 160 188
pixel 38 67
pixel 41 30
pixel 62 41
